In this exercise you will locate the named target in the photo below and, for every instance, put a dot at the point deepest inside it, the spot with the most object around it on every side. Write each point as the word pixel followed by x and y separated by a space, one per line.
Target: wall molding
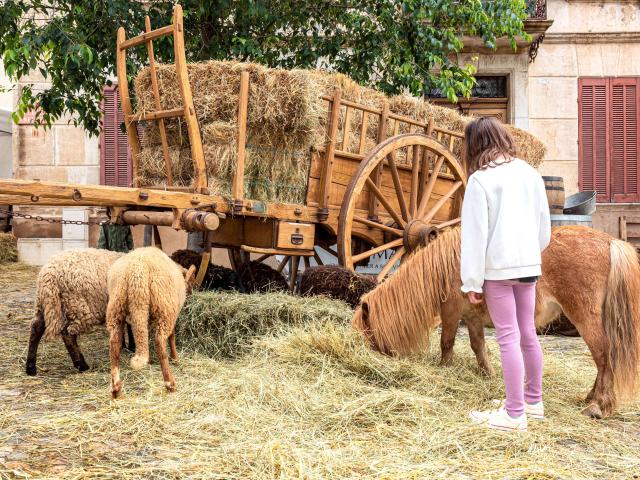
pixel 590 37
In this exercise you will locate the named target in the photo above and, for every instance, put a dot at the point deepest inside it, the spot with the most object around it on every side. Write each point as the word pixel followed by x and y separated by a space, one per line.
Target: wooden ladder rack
pixel 176 29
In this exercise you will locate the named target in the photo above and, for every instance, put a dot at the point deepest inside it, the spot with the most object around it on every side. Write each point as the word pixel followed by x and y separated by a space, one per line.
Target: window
pixel 115 157
pixel 608 137
pixel 486 87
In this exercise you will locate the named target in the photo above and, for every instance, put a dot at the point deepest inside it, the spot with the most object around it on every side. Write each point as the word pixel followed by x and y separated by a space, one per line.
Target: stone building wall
pixel 587 38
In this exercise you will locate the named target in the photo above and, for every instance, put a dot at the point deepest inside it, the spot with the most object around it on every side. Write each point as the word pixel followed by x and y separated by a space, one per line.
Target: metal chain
pixel 39 218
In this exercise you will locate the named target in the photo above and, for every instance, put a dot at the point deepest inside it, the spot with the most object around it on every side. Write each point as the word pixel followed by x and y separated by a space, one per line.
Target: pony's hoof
pixel 487 371
pixel 171 386
pixel 83 367
pixel 31 370
pixel 445 362
pixel 593 411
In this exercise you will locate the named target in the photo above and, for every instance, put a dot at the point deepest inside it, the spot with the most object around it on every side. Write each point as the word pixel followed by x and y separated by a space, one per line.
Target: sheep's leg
pixel 115 344
pixel 37 330
pixel 71 342
pixel 172 344
pixel 132 343
pixel 161 349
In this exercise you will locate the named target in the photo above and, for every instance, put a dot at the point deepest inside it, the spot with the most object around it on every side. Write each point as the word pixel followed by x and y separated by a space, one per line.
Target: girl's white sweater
pixel 505 224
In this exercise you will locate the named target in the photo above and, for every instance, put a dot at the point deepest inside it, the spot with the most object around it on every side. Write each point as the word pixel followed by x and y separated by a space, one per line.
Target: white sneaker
pixel 500 420
pixel 533 410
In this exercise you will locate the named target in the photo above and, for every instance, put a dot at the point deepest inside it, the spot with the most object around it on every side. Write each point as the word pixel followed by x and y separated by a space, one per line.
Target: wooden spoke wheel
pixel 407 190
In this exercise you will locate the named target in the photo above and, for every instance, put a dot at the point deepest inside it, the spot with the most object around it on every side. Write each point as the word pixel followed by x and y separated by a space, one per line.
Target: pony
pixel 588 275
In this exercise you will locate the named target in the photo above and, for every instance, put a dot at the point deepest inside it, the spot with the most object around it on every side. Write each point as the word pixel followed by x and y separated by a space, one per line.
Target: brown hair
pixel 486 140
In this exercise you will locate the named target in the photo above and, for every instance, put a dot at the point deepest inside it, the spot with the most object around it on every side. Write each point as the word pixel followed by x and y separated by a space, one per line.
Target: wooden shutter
pixel 625 100
pixel 593 137
pixel 115 164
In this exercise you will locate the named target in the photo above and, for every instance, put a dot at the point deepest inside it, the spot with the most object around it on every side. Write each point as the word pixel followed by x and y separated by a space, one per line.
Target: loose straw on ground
pixel 307 401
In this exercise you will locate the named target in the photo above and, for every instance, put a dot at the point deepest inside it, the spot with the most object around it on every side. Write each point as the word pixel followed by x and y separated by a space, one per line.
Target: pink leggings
pixel 511 305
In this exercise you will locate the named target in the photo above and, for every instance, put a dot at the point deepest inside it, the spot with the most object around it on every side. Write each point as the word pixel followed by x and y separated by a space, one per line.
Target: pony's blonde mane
pixel 398 315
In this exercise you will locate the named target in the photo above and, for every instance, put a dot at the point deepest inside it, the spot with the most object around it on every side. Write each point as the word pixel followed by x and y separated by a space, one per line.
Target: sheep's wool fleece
pixel 148 278
pixel 71 291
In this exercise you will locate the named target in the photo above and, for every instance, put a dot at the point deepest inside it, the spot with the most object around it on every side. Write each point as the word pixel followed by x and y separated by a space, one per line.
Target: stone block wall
pixel 587 38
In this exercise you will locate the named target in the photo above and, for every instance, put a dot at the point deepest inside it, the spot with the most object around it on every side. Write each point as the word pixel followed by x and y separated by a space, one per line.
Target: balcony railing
pixel 537 9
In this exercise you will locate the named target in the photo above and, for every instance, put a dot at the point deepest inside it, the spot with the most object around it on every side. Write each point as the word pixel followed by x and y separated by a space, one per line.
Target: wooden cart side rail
pixel 394 116
pixel 33 192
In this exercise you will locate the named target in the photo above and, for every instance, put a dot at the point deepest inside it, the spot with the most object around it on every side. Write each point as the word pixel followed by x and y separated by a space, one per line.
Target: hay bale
pixel 282 103
pixel 336 282
pixel 8 248
pixel 286 119
pixel 259 277
pixel 225 324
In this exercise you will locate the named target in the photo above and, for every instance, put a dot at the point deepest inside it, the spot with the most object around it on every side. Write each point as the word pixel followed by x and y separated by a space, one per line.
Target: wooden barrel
pixel 555 193
pixel 559 220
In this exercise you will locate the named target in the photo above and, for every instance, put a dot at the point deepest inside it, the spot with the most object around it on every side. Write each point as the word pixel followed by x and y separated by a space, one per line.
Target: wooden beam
pixel 197 153
pixel 157 115
pixel 237 189
pixel 41 193
pixel 146 37
pixel 276 251
pixel 346 130
pixel 134 217
pixel 327 171
pixel 156 96
pixel 377 173
pixel 190 220
pixel 125 101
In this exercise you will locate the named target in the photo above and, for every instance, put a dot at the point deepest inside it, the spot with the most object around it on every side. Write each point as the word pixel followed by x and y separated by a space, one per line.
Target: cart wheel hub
pixel 418 234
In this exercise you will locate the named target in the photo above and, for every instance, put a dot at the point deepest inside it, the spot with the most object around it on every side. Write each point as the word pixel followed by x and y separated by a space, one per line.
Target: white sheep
pixel 71 299
pixel 145 288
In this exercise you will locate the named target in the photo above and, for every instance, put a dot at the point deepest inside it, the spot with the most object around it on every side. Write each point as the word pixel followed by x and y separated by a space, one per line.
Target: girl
pixel 505 227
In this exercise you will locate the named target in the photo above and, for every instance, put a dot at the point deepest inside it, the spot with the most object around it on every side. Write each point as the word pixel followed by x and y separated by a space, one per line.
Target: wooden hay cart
pixel 385 202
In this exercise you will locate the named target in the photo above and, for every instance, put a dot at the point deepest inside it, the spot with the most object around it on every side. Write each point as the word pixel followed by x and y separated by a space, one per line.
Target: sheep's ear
pixel 189 275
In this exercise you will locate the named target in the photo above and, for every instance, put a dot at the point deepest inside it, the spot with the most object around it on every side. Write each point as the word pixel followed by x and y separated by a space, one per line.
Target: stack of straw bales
pixel 286 120
pixel 8 248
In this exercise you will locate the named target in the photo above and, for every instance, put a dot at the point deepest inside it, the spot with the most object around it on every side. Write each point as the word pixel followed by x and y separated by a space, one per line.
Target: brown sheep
pixel 71 299
pixel 145 288
pixel 336 282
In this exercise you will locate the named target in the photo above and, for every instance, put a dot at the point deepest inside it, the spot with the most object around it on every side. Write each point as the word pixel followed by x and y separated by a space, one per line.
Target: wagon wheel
pixel 392 201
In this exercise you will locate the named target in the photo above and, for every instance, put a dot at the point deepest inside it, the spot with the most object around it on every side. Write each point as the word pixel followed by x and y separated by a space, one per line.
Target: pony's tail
pixel 621 317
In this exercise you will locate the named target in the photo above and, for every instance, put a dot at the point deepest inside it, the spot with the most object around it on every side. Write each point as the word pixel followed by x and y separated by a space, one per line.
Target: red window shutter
pixel 115 164
pixel 593 136
pixel 625 99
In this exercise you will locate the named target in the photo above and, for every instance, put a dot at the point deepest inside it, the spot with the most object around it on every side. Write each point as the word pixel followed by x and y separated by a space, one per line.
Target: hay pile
pixel 311 401
pixel 286 120
pixel 8 248
pixel 225 324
